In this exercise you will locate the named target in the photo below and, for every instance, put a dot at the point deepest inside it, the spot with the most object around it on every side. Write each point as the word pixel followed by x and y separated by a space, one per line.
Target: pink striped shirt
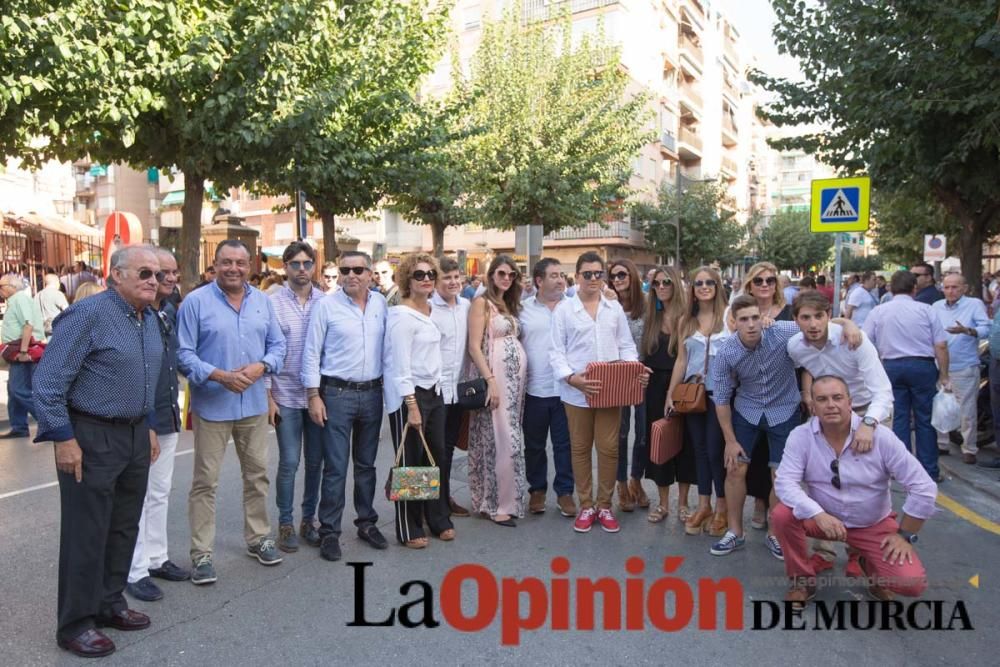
pixel 286 387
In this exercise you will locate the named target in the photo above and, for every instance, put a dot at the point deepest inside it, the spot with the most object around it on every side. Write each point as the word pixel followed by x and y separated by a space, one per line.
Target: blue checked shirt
pixel 763 378
pixel 102 360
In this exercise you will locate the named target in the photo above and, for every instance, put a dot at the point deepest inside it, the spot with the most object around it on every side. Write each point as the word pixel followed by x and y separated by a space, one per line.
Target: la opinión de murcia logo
pixel 667 604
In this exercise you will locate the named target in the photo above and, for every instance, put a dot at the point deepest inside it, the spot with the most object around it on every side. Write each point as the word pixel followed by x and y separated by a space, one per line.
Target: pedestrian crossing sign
pixel 840 204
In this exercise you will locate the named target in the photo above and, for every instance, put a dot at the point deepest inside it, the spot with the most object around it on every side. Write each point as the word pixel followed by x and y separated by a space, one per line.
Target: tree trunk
pixel 437 235
pixel 190 251
pixel 971 254
pixel 330 250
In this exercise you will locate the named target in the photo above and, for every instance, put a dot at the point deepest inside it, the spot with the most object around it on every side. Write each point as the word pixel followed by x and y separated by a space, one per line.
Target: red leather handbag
pixel 619 383
pixel 666 438
pixel 35 350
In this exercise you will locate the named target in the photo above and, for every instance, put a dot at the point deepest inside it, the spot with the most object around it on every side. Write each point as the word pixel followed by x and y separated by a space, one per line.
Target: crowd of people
pixel 809 414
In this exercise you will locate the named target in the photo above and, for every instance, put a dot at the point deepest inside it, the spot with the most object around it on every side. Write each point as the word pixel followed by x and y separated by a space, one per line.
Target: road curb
pixel 992 490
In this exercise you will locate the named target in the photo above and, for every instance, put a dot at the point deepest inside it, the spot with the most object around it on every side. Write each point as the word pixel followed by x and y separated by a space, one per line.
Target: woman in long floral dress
pixel 496 442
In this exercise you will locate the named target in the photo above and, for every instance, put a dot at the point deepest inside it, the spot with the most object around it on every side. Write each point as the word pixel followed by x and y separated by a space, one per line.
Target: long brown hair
pixel 634 308
pixel 657 311
pixel 511 299
pixel 689 322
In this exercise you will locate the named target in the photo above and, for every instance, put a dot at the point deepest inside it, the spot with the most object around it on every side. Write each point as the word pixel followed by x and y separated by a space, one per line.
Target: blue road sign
pixel 840 204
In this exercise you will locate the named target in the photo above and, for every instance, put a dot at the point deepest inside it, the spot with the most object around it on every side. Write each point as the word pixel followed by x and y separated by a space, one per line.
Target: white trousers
pixel 965 385
pixel 151 545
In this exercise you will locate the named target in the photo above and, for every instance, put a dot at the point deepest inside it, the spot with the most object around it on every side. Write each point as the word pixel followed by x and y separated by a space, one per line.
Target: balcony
pixel 592 230
pixel 689 146
pixel 691 53
pixel 543 10
pixel 84 185
pixel 729 52
pixel 729 168
pixel 668 144
pixel 730 135
pixel 690 100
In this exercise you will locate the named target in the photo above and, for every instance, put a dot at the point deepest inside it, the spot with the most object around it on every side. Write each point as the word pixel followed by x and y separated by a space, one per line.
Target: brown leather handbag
pixel 689 397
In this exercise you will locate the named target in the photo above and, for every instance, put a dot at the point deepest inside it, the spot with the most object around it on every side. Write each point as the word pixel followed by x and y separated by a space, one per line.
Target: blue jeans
pixel 545 416
pixel 640 451
pixel 914 383
pixel 19 401
pixel 705 434
pixel 297 432
pixel 347 411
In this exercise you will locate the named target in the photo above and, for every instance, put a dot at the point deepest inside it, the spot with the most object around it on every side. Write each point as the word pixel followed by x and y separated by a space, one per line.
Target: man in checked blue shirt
pixel 229 337
pixel 754 366
pixel 95 396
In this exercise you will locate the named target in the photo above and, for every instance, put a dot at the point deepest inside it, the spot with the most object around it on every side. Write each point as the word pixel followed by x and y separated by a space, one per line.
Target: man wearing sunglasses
pixel 229 338
pixel 829 490
pixel 342 376
pixel 927 291
pixel 95 397
pixel 287 407
pixel 331 277
pixel 388 286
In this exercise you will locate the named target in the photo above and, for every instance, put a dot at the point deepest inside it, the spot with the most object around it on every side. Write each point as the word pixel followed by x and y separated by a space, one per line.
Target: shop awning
pixel 65 226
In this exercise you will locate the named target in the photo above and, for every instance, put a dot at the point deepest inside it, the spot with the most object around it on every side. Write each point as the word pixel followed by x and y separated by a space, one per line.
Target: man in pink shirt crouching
pixel 828 490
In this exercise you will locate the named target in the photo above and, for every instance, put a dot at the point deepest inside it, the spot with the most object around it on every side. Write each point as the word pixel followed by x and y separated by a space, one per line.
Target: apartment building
pixel 102 189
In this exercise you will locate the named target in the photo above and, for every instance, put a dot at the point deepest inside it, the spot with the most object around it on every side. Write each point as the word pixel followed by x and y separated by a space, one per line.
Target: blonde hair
pixel 671 311
pixel 756 270
pixel 87 289
pixel 689 322
pixel 406 268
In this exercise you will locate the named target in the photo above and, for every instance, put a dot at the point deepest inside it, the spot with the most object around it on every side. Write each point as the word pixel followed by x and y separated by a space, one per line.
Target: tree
pixel 708 227
pixel 902 218
pixel 560 130
pixel 850 263
pixel 905 90
pixel 788 243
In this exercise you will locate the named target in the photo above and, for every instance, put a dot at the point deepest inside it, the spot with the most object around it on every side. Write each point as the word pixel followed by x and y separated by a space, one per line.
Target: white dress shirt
pixel 412 355
pixel 453 323
pixel 344 342
pixel 578 339
pixel 536 337
pixel 861 369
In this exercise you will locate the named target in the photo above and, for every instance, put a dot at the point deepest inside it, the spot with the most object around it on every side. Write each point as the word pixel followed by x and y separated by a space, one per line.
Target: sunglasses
pixel 347 270
pixel 758 281
pixel 835 467
pixel 705 283
pixel 503 275
pixel 592 275
pixel 420 275
pixel 621 275
pixel 298 266
pixel 666 282
pixel 146 274
pixel 329 276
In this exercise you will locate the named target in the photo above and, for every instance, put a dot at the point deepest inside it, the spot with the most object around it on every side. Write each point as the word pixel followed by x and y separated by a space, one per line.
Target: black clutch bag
pixel 472 394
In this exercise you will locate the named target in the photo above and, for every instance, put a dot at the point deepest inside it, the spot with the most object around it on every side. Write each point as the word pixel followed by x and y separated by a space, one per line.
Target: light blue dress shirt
pixel 963 349
pixel 344 342
pixel 212 334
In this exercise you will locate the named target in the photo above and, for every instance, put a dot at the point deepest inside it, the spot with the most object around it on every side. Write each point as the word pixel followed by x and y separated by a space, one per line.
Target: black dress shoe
pixel 373 536
pixel 125 620
pixel 170 571
pixel 329 549
pixel 88 644
pixel 145 590
pixel 508 522
pixel 10 435
pixel 992 464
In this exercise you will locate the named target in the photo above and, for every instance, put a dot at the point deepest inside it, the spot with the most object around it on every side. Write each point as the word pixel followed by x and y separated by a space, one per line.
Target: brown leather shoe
pixel 88 644
pixel 799 595
pixel 126 620
pixel 456 509
pixel 536 502
pixel 625 500
pixel 567 507
pixel 969 458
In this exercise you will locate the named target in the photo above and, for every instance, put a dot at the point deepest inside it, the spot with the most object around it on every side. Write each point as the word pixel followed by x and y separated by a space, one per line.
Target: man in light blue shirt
pixel 964 318
pixel 229 336
pixel 342 374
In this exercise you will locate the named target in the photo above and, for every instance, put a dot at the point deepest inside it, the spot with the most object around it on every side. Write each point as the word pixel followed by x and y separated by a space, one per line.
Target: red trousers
pixel 909 579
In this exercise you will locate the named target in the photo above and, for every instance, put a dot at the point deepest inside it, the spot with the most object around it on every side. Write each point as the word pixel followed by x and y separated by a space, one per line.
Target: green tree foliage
pixel 851 263
pixel 709 230
pixel 788 244
pixel 560 130
pixel 909 91
pixel 902 217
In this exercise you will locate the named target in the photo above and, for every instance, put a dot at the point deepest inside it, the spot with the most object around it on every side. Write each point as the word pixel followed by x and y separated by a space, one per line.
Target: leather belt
pixel 116 421
pixel 353 386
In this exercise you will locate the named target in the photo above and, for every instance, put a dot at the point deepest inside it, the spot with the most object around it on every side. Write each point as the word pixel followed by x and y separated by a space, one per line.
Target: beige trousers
pixel 590 428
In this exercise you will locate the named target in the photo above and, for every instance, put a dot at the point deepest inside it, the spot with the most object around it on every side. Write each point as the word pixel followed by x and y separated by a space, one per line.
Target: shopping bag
pixel 946 415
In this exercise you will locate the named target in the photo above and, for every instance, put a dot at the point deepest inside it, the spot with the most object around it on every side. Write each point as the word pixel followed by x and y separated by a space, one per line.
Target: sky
pixel 753 19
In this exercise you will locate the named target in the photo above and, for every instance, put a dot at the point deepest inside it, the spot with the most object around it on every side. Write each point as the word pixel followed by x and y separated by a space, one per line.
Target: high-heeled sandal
pixel 683 513
pixel 625 500
pixel 638 493
pixel 719 525
pixel 657 514
pixel 698 522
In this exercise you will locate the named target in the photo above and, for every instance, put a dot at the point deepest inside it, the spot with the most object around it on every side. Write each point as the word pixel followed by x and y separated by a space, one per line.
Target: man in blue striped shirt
pixel 228 338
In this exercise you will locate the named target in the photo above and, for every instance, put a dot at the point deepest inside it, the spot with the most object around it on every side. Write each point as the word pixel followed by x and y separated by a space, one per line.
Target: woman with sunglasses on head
pixel 665 306
pixel 496 442
pixel 701 332
pixel 624 279
pixel 413 376
pixel 761 282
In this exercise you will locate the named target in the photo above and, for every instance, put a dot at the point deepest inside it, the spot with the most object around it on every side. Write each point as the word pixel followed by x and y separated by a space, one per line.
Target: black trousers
pixel 100 522
pixel 411 515
pixel 452 426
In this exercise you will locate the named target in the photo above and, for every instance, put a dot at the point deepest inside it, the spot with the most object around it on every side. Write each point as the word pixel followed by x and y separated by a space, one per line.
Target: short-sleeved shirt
pixel 21 310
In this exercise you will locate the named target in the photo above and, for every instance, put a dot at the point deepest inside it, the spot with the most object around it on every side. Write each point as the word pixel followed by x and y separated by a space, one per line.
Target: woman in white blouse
pixel 413 394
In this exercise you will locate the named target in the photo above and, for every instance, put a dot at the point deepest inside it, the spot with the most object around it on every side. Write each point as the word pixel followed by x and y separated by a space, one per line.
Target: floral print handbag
pixel 414 482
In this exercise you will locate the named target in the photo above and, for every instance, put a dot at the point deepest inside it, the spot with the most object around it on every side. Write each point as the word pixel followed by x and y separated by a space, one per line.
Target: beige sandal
pixel 447 535
pixel 418 543
pixel 657 514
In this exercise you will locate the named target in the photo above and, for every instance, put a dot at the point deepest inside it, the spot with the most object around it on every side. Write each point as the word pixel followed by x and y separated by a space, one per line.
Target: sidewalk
pixel 982 479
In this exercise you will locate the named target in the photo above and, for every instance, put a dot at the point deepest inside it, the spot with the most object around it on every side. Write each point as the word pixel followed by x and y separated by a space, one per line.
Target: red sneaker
pixel 853 568
pixel 819 563
pixel 584 520
pixel 608 521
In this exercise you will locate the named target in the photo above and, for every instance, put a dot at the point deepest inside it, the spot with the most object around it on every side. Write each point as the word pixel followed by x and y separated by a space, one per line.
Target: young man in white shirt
pixel 544 414
pixel 588 327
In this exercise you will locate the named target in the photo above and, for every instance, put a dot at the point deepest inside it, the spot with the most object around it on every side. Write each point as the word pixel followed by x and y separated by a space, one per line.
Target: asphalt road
pixel 297 613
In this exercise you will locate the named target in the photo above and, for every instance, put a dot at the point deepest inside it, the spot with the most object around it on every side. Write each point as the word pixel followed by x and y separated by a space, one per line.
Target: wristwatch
pixel 869 421
pixel 908 536
pixel 267 366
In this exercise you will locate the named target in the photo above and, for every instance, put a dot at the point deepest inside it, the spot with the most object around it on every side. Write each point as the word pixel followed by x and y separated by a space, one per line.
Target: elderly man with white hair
pixel 51 301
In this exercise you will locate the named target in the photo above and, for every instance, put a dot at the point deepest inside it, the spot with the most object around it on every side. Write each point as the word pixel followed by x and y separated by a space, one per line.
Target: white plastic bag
pixel 946 415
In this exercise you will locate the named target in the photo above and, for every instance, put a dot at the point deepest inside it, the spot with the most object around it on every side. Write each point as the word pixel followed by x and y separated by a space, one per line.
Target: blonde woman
pixel 700 334
pixel 87 289
pixel 665 306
